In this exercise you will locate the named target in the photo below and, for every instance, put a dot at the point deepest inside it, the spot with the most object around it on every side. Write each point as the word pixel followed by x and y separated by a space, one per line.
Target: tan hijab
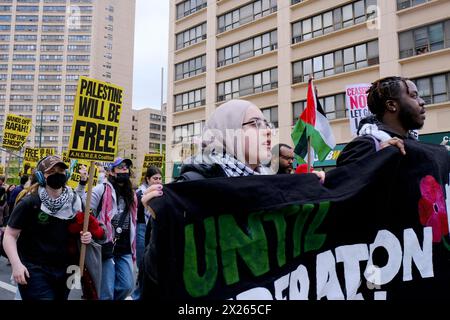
pixel 221 127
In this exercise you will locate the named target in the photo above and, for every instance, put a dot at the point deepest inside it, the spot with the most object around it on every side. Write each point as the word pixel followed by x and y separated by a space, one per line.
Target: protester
pixel 37 236
pixel 16 191
pixel 282 159
pixel 115 205
pixel 153 176
pixel 236 143
pixel 397 109
pixel 4 208
pixel 2 182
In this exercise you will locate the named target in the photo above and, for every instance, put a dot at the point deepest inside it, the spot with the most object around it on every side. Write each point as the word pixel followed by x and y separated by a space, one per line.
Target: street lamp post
pixel 162 111
pixel 40 128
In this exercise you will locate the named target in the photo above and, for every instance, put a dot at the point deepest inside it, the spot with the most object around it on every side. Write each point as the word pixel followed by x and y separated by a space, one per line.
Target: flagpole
pixel 308 161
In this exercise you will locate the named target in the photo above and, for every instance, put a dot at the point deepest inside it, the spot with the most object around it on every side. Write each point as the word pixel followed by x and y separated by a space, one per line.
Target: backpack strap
pixel 377 143
pixel 100 205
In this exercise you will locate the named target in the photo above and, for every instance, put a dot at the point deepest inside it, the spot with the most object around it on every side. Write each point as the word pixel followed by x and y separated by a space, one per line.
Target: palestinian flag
pixel 312 124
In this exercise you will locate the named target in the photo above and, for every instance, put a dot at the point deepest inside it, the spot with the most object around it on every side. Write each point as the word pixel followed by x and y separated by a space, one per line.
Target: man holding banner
pixel 398 109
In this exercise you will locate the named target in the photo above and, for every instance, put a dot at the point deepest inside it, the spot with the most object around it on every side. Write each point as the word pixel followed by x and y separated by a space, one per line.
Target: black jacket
pixel 363 146
pixel 148 277
pixel 190 172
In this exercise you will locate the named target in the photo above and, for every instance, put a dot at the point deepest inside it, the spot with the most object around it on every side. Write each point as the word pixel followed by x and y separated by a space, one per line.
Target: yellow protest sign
pixel 75 166
pixel 95 127
pixel 2 170
pixel 16 131
pixel 32 156
pixel 152 159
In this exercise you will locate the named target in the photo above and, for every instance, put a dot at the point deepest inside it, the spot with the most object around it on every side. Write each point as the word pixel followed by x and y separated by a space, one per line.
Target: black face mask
pixel 56 180
pixel 122 177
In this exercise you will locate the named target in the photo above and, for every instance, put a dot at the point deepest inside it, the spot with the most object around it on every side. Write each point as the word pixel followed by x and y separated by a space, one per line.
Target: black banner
pixel 377 230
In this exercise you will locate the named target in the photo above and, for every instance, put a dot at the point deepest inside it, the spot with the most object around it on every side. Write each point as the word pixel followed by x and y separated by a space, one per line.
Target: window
pixel 23 108
pixel 186 132
pixel 26 28
pixel 434 89
pixel 333 106
pixel 247 48
pixel 23 67
pixel 49 87
pixel 191 36
pixel 403 4
pixel 271 114
pixel 245 14
pixel 332 20
pixel 77 67
pixel 22 87
pixel 50 77
pixel 424 39
pixel 78 58
pixel 22 77
pixel 50 67
pixel 190 68
pixel 51 57
pixel 249 84
pixel 189 100
pixel 28 18
pixel 48 108
pixel 345 60
pixel 52 38
pixel 51 28
pixel 52 48
pixel 188 7
pixel 23 38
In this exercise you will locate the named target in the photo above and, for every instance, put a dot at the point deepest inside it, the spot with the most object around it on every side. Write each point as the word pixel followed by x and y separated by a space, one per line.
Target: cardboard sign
pixel 32 157
pixel 74 167
pixel 356 104
pixel 95 127
pixel 16 132
pixel 152 159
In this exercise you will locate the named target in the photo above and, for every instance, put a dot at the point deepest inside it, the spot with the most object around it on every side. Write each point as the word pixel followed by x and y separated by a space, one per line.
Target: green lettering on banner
pixel 302 215
pixel 314 241
pixel 252 248
pixel 278 218
pixel 197 285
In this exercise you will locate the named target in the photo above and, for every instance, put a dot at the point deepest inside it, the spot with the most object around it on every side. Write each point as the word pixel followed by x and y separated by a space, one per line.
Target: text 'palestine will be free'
pixel 95 127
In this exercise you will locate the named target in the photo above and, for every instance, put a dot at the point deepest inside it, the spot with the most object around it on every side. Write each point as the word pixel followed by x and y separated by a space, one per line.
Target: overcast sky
pixel 150 52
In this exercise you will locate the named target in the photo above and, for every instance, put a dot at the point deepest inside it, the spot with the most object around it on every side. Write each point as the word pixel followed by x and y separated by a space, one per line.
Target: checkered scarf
pixel 231 166
pixel 61 207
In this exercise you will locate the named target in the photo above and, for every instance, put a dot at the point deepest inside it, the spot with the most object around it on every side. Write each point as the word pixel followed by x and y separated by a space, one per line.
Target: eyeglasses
pixel 260 124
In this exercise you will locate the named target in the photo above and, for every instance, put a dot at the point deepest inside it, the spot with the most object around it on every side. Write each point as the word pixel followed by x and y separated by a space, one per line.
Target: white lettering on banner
pixel 296 285
pixel 255 294
pixel 299 279
pixel 351 256
pixel 326 277
pixel 423 258
pixel 281 285
pixel 388 241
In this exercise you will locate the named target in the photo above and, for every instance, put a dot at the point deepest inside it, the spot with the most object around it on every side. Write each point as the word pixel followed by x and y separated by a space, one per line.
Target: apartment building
pixel 264 50
pixel 148 135
pixel 46 45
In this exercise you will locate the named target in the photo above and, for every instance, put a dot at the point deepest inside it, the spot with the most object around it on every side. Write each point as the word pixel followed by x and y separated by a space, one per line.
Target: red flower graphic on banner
pixel 432 208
